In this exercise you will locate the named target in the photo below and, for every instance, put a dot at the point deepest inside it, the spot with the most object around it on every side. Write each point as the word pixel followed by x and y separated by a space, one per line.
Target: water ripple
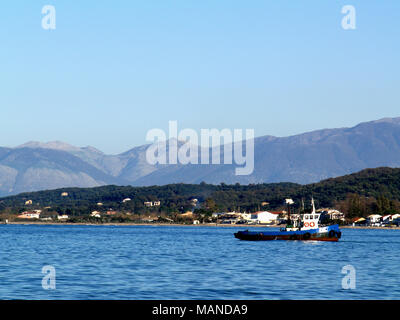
pixel 145 262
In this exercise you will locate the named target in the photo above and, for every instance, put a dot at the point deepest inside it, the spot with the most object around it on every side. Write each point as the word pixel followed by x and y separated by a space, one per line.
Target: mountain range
pixel 304 158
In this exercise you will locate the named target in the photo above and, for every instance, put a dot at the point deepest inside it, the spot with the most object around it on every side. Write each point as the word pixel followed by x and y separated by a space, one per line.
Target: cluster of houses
pixel 268 217
pixel 276 218
pixel 260 217
pixel 152 203
pixel 35 214
pixel 98 214
pixel 376 220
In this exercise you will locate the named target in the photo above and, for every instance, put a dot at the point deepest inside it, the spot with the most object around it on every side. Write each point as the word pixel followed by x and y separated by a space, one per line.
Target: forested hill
pixel 369 185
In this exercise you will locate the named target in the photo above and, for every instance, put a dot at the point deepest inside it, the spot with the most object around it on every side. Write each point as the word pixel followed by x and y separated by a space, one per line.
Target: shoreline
pixel 136 224
pixel 175 225
pixel 369 228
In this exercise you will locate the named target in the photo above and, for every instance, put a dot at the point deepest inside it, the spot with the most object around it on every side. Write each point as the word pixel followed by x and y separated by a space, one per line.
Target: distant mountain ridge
pixel 304 158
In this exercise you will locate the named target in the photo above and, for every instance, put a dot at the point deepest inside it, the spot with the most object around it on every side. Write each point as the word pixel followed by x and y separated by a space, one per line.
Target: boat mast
pixel 313 205
pixel 289 202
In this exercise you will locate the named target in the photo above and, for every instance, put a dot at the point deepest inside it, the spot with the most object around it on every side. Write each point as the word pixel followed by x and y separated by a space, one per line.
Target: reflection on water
pixel 152 262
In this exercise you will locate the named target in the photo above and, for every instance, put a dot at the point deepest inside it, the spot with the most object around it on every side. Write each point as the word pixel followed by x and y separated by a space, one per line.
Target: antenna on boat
pixel 313 205
pixel 289 202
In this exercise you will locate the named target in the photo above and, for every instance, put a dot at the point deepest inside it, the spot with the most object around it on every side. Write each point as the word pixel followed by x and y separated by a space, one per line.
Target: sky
pixel 113 70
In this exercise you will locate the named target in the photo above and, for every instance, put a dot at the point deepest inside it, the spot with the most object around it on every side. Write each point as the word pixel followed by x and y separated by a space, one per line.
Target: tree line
pixel 367 192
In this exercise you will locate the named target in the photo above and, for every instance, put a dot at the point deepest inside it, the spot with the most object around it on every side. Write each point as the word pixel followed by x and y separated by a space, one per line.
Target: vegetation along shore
pixel 371 191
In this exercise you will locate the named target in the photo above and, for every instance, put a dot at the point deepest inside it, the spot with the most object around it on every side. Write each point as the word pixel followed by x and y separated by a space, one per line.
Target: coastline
pixel 175 225
pixel 370 228
pixel 136 224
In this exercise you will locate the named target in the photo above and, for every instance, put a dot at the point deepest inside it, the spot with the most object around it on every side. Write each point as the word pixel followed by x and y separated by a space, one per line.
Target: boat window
pixel 306 216
pixel 316 217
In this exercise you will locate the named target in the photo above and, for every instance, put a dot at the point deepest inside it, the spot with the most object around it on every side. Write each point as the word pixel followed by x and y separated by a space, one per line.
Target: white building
pixel 394 216
pixel 228 217
pixel 95 214
pixel 29 215
pixel 335 214
pixel 62 217
pixel 246 216
pixel 151 204
pixel 264 217
pixel 374 218
pixel 217 214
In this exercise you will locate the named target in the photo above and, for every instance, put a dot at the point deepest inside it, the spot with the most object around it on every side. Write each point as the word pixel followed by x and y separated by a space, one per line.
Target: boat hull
pixel 331 233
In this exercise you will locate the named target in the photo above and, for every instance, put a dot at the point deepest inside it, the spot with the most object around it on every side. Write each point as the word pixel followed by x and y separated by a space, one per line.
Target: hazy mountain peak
pixel 92 149
pixel 55 145
pixel 387 120
pixel 303 158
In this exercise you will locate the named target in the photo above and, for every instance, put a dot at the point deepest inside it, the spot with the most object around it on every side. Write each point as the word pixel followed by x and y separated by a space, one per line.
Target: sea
pixel 192 262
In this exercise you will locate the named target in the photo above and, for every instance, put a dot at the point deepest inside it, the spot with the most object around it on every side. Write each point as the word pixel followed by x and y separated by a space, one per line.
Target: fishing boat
pixel 304 227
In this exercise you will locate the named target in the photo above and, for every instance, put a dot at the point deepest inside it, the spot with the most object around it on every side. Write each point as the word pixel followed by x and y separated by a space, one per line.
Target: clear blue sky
pixel 112 70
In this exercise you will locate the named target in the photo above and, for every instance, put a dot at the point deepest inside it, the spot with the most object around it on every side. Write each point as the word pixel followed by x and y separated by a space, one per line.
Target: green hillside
pixel 368 191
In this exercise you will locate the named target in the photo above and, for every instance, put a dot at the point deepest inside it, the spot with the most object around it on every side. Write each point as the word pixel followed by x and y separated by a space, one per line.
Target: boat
pixel 303 227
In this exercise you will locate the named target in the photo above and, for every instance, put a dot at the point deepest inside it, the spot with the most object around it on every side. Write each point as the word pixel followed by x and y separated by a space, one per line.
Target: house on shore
pixel 30 215
pixel 264 217
pixel 95 214
pixel 374 219
pixel 333 214
pixel 152 204
pixel 359 221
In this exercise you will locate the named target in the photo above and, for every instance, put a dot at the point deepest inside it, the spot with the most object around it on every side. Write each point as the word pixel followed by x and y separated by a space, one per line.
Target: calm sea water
pixel 161 262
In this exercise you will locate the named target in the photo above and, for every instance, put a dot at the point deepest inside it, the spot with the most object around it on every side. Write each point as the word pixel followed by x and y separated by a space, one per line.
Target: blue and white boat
pixel 303 227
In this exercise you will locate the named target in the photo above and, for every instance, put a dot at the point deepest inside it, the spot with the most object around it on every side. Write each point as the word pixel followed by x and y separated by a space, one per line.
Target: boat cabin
pixel 306 221
pixel 310 221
